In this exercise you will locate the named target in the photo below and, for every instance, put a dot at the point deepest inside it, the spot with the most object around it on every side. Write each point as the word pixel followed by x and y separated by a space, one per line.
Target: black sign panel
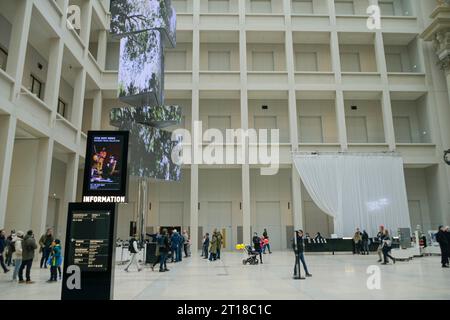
pixel 106 169
pixel 89 251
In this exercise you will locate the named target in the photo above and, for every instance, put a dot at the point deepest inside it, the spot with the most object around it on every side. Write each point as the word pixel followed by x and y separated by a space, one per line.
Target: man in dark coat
pixel 2 250
pixel 442 239
pixel 29 246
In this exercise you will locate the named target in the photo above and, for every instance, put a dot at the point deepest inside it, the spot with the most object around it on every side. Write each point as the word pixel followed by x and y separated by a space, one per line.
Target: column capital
pixel 441 45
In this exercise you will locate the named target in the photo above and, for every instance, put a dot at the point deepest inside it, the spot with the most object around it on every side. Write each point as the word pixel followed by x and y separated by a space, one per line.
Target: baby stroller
pixel 251 256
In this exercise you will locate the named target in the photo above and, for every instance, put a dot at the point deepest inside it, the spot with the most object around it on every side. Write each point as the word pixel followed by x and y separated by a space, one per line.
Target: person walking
pixel 357 239
pixel 379 239
pixel 257 245
pixel 186 244
pixel 219 243
pixel 157 253
pixel 213 247
pixel 29 246
pixel 55 260
pixel 45 244
pixel 442 239
pixel 298 246
pixel 16 243
pixel 266 243
pixel 205 246
pixel 2 250
pixel 365 242
pixel 134 250
pixel 163 243
pixel 387 246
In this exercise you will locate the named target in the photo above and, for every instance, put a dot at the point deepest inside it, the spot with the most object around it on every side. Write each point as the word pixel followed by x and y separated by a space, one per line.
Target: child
pixel 55 260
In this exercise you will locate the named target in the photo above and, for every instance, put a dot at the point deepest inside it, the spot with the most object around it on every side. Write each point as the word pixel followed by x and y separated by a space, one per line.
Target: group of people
pixel 211 248
pixel 443 238
pixel 20 248
pixel 168 246
pixel 361 242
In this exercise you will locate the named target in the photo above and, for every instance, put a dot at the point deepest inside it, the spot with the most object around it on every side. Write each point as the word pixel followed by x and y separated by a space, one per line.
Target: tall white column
pixel 7 134
pixel 54 74
pixel 86 17
pixel 42 185
pixel 18 44
pixel 297 209
pixel 101 49
pixel 78 100
pixel 97 110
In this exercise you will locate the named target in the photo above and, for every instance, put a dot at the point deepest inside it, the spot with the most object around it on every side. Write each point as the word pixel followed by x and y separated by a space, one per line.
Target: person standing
pixel 134 250
pixel 45 243
pixel 163 243
pixel 55 260
pixel 213 247
pixel 298 246
pixel 379 238
pixel 10 248
pixel 205 246
pixel 257 245
pixel 186 244
pixel 365 242
pixel 357 239
pixel 266 243
pixel 219 243
pixel 176 243
pixel 442 239
pixel 28 248
pixel 387 246
pixel 17 253
pixel 157 252
pixel 2 250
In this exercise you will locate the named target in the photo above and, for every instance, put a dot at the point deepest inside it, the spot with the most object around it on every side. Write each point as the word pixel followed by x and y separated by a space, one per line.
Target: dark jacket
pixel 2 244
pixel 442 238
pixel 300 246
pixel 28 247
pixel 365 237
pixel 257 243
pixel 163 244
pixel 206 243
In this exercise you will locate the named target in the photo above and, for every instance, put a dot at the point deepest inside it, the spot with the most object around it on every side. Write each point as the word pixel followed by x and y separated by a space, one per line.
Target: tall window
pixel 3 58
pixel 36 86
pixel 62 108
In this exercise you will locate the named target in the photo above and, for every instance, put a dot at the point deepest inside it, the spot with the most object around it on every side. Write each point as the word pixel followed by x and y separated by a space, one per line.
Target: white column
pixel 18 44
pixel 194 209
pixel 54 74
pixel 101 48
pixel 246 211
pixel 86 17
pixel 7 134
pixel 340 119
pixel 70 191
pixel 97 110
pixel 42 185
pixel 78 100
pixel 297 209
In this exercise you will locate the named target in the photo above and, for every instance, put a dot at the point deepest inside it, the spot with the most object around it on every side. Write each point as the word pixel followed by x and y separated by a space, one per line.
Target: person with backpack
pixel 163 243
pixel 2 250
pixel 29 246
pixel 54 260
pixel 16 247
pixel 134 250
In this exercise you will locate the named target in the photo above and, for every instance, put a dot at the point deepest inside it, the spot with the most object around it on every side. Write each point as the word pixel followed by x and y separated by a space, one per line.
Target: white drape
pixel 358 191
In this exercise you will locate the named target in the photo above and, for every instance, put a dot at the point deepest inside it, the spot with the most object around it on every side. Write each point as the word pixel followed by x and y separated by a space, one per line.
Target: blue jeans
pixel 17 263
pixel 179 254
pixel 301 257
pixel 162 260
pixel 266 246
pixel 218 254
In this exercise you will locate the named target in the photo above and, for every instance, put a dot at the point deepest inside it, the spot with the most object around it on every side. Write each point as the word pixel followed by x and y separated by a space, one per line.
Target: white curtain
pixel 357 190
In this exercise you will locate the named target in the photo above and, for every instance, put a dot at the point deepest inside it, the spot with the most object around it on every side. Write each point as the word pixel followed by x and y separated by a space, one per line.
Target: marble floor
pixel 334 277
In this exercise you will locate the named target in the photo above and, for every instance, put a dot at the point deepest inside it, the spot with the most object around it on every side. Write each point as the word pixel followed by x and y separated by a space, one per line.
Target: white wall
pixel 277 108
pixel 417 190
pixel 185 48
pixel 366 56
pixel 279 55
pixel 232 48
pixel 323 55
pixel 326 110
pixel 33 58
pixel 374 119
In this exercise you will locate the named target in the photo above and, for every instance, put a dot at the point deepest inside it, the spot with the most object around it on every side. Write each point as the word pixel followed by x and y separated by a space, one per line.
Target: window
pixel 402 128
pixel 310 128
pixel 387 8
pixel 394 62
pixel 306 61
pixel 180 5
pixel 175 60
pixel 350 62
pixel 3 58
pixel 261 6
pixel 36 86
pixel 219 61
pixel 345 8
pixel 357 129
pixel 302 6
pixel 263 61
pixel 62 108
pixel 221 6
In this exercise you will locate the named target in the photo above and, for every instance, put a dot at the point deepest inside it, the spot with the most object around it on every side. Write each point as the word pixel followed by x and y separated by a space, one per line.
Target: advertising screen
pixel 158 116
pixel 106 163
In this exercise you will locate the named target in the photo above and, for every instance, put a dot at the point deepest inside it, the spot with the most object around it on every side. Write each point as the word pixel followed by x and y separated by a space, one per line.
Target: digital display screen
pixel 89 243
pixel 106 163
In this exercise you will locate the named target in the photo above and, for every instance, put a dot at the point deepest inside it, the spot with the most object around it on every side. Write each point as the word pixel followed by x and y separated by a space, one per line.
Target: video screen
pixel 140 69
pixel 158 116
pixel 133 16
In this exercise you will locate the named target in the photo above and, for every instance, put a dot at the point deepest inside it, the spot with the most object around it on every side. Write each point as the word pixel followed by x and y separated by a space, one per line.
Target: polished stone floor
pixel 334 277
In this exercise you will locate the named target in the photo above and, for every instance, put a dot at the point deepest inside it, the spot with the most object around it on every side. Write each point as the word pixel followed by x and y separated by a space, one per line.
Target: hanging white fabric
pixel 357 190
